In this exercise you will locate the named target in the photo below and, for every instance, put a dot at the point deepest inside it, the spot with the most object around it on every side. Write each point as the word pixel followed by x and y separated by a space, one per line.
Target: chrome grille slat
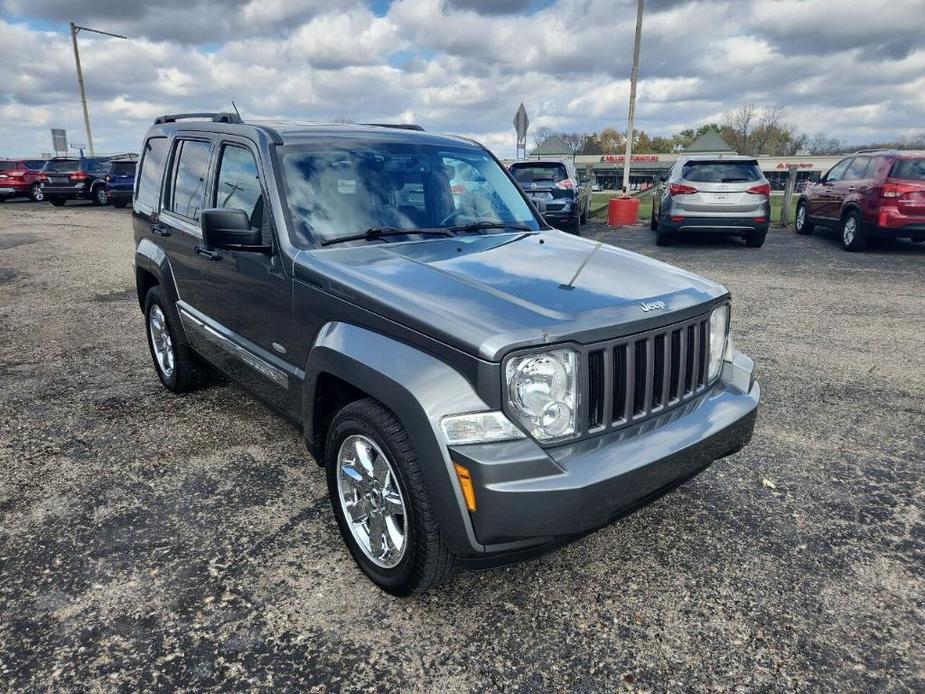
pixel 632 378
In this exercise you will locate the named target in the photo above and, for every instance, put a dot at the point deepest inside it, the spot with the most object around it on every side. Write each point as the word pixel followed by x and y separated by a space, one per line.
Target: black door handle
pixel 160 230
pixel 206 253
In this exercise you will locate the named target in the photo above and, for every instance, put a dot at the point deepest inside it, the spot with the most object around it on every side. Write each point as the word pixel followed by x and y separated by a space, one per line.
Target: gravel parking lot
pixel 150 541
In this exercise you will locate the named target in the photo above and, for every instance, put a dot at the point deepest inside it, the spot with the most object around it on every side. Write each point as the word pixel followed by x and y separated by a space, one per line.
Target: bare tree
pixel 574 141
pixel 754 130
pixel 820 144
pixel 540 135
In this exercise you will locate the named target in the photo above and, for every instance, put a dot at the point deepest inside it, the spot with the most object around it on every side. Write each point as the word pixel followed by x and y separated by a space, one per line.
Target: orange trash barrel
pixel 622 212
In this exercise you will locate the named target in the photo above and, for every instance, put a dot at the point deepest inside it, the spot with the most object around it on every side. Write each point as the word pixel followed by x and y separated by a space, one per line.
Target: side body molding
pixel 419 389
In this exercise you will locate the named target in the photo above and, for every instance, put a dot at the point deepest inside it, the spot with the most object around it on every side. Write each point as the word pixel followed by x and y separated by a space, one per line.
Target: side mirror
pixel 230 228
pixel 815 177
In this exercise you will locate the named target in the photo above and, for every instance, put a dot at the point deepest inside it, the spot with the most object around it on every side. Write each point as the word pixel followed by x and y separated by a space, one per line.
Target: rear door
pixel 178 222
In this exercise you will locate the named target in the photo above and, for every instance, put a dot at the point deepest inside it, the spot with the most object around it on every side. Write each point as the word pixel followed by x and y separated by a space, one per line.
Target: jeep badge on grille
pixel 652 306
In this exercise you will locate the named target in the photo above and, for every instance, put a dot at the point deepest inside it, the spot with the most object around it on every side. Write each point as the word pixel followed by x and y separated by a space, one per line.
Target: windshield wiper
pixel 380 232
pixel 479 226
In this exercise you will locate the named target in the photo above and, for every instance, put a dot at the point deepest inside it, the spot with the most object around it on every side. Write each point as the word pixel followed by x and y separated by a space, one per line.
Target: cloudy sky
pixel 854 69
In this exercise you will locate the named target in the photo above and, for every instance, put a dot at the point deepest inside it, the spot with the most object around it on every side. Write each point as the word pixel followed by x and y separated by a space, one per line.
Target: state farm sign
pixel 622 157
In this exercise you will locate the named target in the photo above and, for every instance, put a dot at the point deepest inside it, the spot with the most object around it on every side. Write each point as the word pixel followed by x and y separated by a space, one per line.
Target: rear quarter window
pixel 721 171
pixel 908 169
pixel 7 165
pixel 152 166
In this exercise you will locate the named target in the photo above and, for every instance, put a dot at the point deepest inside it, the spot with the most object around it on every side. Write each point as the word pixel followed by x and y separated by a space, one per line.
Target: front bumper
pixel 529 496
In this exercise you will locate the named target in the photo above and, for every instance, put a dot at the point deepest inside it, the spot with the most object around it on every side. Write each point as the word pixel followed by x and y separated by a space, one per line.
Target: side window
pixel 189 183
pixel 857 170
pixel 837 171
pixel 152 164
pixel 238 184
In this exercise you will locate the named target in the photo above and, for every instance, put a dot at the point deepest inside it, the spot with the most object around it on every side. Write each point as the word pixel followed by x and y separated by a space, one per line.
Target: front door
pixel 827 202
pixel 236 306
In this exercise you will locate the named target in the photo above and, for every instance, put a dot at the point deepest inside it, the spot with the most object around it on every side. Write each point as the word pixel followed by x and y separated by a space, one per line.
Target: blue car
pixel 120 182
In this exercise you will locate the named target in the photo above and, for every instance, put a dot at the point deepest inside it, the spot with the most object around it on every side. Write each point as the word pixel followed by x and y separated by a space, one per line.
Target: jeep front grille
pixel 632 378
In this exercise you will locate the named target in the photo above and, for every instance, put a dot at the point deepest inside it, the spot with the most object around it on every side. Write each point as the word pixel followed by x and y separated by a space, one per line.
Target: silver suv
pixel 716 193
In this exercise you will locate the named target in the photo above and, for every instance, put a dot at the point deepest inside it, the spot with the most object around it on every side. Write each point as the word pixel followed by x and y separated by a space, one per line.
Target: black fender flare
pixel 419 389
pixel 150 257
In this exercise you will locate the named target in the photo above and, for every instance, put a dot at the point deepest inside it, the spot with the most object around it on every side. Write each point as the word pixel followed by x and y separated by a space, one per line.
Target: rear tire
pixel 756 239
pixel 100 197
pixel 852 235
pixel 803 225
pixel 36 192
pixel 119 203
pixel 57 202
pixel 662 238
pixel 653 221
pixel 177 366
pixel 424 561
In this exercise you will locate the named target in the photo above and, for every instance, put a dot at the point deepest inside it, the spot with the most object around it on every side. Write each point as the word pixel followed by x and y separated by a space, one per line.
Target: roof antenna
pixel 236 109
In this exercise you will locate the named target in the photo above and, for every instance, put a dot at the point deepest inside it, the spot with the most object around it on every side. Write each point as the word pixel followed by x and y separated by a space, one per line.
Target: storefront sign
pixel 622 157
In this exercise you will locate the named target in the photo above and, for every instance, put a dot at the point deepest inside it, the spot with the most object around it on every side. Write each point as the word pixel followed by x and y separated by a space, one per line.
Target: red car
pixel 869 194
pixel 21 178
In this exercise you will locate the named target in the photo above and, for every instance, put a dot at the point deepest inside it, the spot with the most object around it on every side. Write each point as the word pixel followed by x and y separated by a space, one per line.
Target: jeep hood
pixel 488 294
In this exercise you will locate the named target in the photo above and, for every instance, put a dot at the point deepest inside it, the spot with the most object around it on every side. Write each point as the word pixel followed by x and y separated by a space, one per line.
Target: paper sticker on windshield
pixel 346 186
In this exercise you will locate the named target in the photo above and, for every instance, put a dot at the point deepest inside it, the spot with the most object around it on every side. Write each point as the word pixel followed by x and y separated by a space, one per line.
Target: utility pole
pixel 633 75
pixel 80 77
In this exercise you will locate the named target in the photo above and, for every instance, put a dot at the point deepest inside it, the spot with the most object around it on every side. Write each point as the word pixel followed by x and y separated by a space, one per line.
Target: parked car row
pixel 102 180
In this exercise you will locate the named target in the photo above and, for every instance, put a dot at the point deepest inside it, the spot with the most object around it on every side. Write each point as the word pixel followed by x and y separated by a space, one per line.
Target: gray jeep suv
pixel 478 386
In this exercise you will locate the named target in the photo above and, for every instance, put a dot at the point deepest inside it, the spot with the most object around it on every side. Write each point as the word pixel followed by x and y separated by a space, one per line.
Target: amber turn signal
pixel 465 482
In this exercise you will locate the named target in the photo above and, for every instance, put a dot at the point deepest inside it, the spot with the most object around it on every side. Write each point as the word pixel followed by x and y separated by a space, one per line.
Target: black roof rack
pixel 399 126
pixel 214 117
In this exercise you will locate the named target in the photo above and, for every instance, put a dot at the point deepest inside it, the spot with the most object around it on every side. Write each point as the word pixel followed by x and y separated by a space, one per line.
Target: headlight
pixel 478 427
pixel 719 324
pixel 542 392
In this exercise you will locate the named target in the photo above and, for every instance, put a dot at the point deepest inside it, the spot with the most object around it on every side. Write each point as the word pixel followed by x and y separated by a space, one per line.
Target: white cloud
pixel 462 65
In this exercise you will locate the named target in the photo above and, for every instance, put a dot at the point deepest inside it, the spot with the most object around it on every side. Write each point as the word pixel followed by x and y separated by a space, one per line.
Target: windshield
pixel 62 165
pixel 343 187
pixel 721 171
pixel 539 173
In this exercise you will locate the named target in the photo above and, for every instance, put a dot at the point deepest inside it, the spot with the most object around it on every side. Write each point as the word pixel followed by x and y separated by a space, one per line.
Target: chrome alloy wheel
pixel 850 230
pixel 37 193
pixel 801 216
pixel 371 500
pixel 101 197
pixel 161 340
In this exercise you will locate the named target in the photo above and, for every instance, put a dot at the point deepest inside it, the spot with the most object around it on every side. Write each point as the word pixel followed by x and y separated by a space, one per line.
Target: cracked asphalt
pixel 158 542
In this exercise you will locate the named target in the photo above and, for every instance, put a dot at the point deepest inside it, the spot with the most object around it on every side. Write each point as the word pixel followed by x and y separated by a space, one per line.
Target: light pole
pixel 80 76
pixel 633 76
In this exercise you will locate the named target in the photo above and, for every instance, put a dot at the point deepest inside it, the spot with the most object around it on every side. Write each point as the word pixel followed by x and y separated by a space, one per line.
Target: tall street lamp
pixel 80 76
pixel 633 75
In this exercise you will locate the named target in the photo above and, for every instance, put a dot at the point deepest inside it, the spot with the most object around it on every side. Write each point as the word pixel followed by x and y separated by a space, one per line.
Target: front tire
pixel 177 366
pixel 803 225
pixel 119 203
pixel 380 502
pixel 852 236
pixel 36 192
pixel 57 202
